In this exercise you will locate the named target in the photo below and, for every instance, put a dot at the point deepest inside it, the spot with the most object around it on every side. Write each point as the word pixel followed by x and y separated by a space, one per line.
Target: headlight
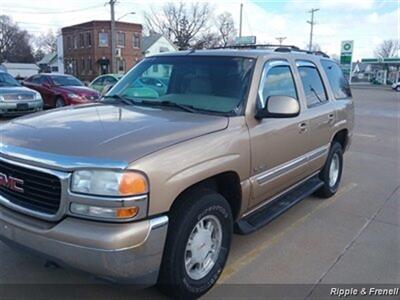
pixel 38 96
pixel 109 183
pixel 1 98
pixel 74 96
pixel 112 213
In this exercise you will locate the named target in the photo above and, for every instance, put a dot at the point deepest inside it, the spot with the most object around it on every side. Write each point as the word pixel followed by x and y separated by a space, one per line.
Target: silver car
pixel 16 99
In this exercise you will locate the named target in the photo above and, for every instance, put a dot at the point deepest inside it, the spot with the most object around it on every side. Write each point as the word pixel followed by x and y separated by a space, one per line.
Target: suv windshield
pixel 7 80
pixel 203 83
pixel 65 81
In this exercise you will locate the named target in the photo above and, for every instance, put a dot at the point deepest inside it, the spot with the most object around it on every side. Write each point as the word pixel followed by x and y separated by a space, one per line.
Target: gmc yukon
pixel 149 185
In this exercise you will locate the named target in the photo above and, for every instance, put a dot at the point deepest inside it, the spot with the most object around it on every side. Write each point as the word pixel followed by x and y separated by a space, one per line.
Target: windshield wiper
pixel 187 108
pixel 120 99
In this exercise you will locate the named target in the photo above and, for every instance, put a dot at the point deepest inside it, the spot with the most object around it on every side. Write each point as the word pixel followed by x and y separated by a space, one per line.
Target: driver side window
pixel 277 80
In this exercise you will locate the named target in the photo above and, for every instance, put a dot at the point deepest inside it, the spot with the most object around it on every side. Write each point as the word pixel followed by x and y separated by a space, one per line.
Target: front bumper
pixel 11 107
pixel 125 252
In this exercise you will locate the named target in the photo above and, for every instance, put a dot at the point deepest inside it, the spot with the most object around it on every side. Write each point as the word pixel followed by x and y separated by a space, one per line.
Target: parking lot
pixel 351 238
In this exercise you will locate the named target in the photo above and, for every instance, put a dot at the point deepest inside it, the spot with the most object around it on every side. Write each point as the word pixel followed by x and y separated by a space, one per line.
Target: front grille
pixel 42 191
pixel 19 96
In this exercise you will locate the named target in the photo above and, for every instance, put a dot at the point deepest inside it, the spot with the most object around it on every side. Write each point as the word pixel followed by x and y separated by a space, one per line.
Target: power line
pixel 50 12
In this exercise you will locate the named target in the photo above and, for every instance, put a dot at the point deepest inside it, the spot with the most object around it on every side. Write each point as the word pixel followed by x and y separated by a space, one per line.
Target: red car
pixel 59 90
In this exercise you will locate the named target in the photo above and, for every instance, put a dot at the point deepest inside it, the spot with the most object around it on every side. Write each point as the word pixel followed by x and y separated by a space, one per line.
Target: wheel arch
pixel 342 137
pixel 227 184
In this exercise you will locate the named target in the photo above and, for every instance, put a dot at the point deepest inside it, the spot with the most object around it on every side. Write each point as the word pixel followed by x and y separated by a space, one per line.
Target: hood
pixel 79 90
pixel 15 90
pixel 105 132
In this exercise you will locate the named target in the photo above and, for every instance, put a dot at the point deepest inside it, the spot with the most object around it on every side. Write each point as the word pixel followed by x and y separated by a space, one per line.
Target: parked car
pixel 151 190
pixel 396 86
pixel 100 82
pixel 16 99
pixel 59 90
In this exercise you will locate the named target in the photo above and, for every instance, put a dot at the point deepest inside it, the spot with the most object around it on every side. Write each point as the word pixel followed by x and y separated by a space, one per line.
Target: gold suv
pixel 149 185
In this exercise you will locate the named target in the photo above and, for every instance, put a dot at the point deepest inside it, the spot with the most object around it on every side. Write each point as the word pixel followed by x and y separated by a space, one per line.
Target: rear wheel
pixel 398 88
pixel 197 247
pixel 332 172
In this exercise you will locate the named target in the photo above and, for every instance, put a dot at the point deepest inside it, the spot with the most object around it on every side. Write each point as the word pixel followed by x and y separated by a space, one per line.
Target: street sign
pixel 346 56
pixel 245 40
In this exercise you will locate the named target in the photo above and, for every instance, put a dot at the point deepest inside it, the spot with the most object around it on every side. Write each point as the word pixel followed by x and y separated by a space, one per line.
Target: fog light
pixel 104 212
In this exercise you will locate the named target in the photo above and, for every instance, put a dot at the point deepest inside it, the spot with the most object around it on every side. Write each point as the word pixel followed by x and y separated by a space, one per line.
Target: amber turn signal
pixel 133 183
pixel 127 212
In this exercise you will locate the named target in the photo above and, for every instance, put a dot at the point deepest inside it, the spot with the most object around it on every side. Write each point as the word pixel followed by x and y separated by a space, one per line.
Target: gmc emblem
pixel 12 183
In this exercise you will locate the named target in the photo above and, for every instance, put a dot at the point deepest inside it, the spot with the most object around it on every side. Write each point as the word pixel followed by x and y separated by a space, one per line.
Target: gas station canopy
pixel 386 60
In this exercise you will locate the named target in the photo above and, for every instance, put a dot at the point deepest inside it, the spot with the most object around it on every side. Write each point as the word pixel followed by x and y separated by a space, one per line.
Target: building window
pixel 136 40
pixel 75 42
pixel 89 65
pixel 121 65
pixel 103 39
pixel 81 40
pixel 121 39
pixel 89 39
pixel 69 42
pixel 163 49
pixel 83 66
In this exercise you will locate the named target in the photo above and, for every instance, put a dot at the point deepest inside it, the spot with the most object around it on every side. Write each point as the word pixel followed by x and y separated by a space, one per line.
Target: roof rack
pixel 278 48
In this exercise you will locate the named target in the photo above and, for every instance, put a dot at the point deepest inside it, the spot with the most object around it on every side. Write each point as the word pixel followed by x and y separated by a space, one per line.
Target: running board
pixel 270 211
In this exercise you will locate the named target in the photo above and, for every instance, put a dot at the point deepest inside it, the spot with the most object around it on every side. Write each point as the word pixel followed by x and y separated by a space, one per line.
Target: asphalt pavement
pixel 352 238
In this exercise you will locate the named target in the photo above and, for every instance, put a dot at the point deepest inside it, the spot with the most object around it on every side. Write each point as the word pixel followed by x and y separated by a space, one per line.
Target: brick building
pixel 87 48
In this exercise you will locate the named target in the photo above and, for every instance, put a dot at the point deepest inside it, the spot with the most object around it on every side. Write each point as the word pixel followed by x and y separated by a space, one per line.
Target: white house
pixel 156 43
pixel 20 71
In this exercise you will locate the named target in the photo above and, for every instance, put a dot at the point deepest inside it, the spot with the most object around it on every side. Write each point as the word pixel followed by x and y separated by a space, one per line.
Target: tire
pixel 331 181
pixel 59 103
pixel 398 88
pixel 199 207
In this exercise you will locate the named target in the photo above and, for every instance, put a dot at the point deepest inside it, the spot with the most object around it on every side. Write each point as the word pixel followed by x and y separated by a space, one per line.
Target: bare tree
pixel 226 28
pixel 46 42
pixel 179 22
pixel 14 43
pixel 388 48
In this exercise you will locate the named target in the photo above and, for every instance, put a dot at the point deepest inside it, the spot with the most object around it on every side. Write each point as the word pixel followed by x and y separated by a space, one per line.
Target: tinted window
pixel 209 84
pixel 7 80
pixel 37 79
pixel 99 81
pixel 339 84
pixel 313 86
pixel 277 82
pixel 65 80
pixel 109 80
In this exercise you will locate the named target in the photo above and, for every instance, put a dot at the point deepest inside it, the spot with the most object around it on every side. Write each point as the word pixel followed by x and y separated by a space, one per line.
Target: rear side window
pixel 278 81
pixel 312 84
pixel 339 84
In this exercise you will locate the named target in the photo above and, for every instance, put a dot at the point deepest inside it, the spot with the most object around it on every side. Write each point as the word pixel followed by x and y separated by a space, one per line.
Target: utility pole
pixel 241 19
pixel 312 23
pixel 281 39
pixel 113 43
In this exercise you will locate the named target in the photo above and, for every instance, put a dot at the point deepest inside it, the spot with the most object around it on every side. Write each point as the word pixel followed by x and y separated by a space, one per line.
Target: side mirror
pixel 106 89
pixel 279 107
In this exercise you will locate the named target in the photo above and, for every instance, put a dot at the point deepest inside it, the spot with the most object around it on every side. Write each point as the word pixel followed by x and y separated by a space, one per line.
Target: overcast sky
pixel 367 22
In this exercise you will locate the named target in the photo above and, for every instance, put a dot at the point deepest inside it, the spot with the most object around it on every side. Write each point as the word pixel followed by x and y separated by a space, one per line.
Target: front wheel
pixel 197 247
pixel 59 103
pixel 331 174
